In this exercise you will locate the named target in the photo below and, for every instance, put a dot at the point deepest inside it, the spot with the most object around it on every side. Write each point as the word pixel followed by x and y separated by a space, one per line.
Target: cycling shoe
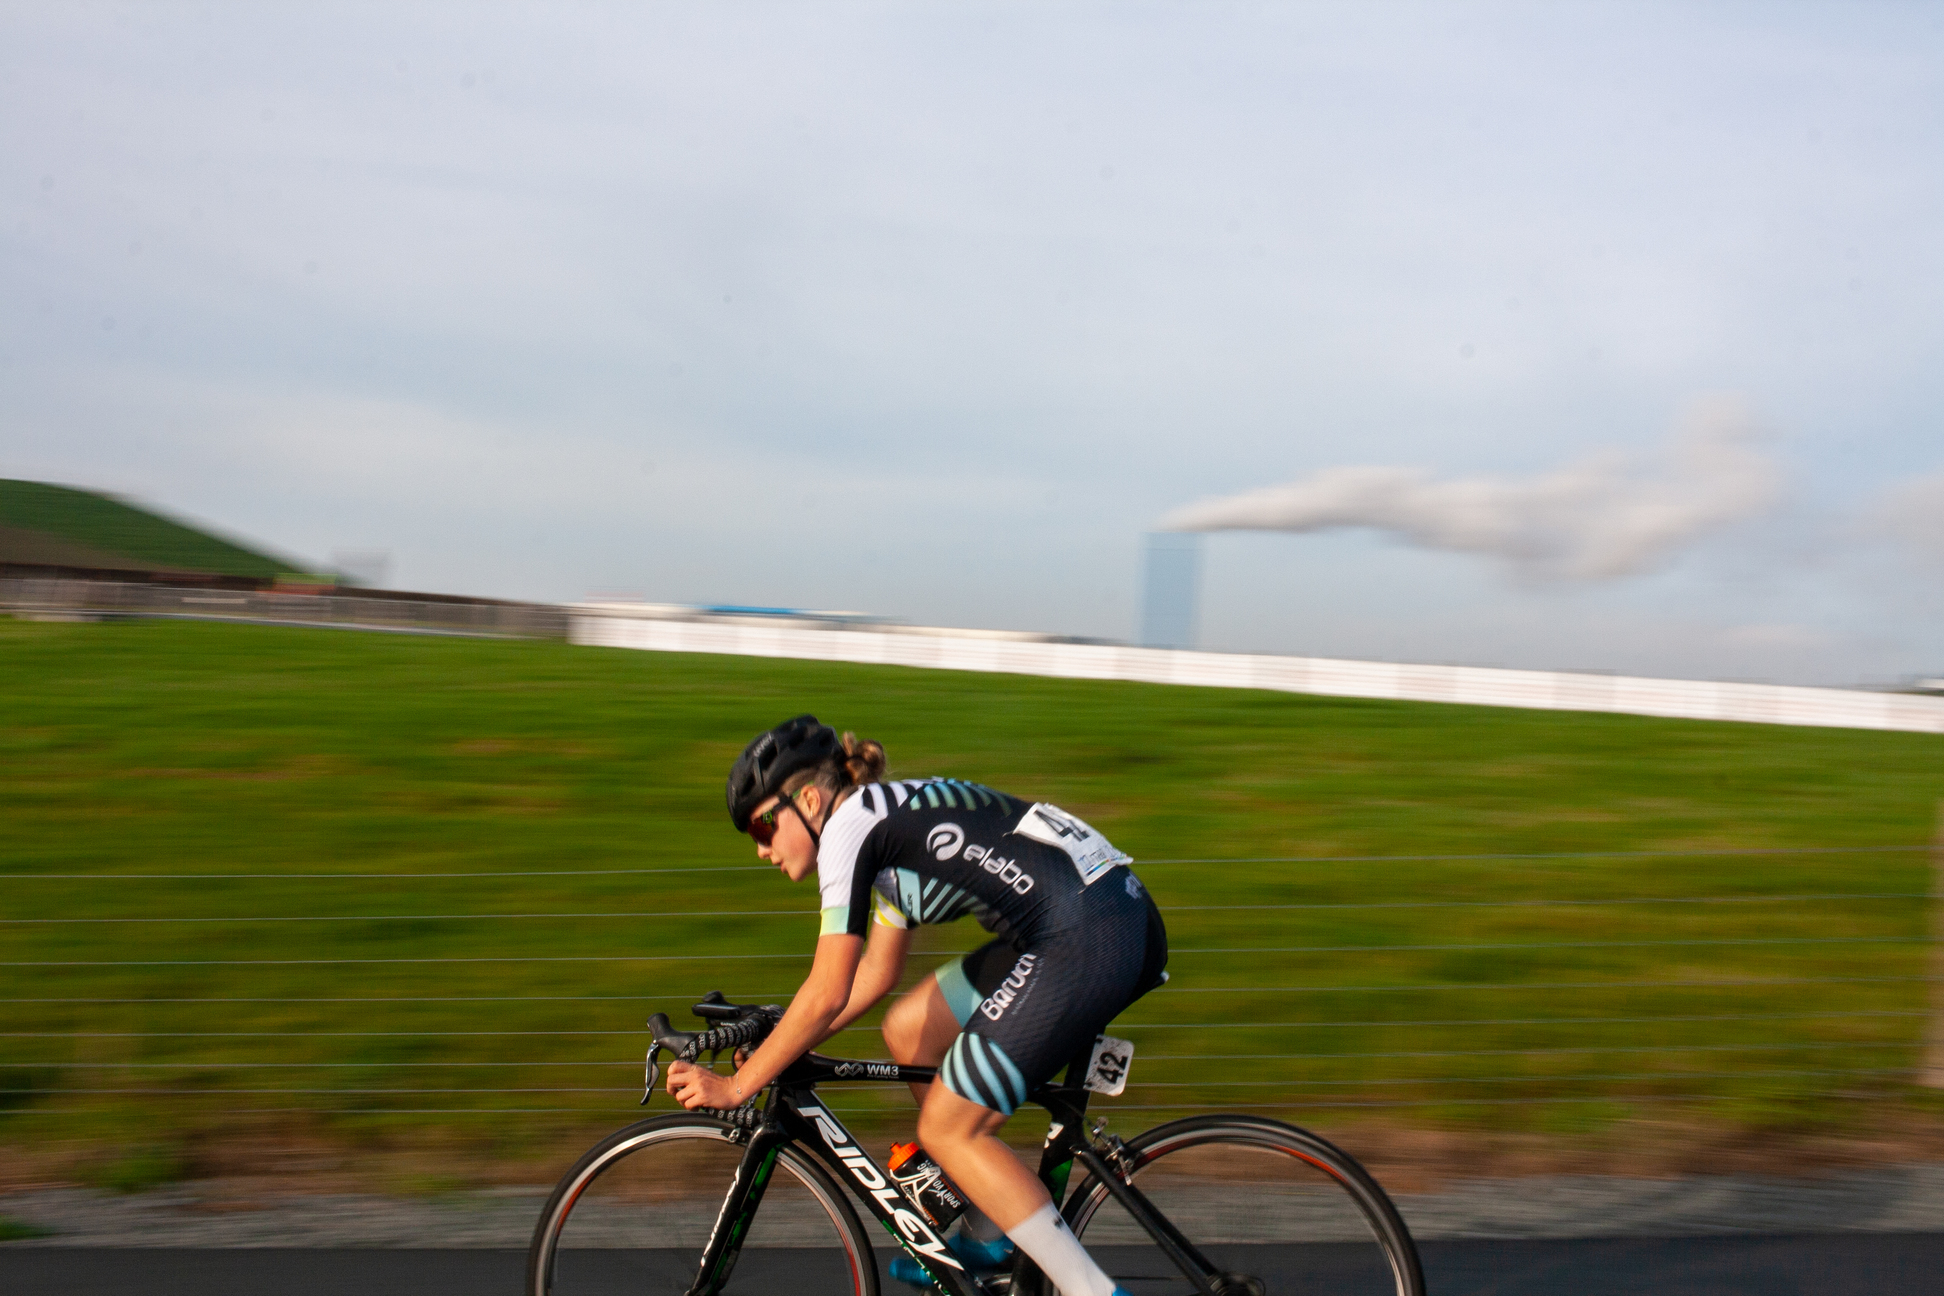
pixel 980 1258
pixel 909 1271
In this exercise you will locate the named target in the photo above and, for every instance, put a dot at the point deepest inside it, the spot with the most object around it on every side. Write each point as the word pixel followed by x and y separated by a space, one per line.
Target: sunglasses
pixel 762 827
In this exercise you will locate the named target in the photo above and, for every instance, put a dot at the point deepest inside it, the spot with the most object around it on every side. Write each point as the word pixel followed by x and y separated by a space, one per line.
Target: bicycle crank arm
pixel 1194 1266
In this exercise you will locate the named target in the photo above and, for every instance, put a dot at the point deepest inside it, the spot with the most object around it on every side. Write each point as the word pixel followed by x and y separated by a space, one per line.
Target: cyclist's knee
pixel 904 1030
pixel 935 1131
pixel 949 1118
pixel 920 1027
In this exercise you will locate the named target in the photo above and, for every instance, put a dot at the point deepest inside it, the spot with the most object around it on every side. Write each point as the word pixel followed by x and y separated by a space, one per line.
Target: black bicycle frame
pixel 794 1114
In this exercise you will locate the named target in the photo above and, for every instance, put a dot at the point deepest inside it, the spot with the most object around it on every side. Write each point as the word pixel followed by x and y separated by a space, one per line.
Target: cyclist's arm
pixel 877 976
pixel 825 994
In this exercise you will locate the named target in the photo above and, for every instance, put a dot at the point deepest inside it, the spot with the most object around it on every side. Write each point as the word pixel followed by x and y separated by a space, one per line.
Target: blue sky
pixel 932 311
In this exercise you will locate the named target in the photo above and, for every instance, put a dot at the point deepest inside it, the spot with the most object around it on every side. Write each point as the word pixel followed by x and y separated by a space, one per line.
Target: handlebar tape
pixel 734 1035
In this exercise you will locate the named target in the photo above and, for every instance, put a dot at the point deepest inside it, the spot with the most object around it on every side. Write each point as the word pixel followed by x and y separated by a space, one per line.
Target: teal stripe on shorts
pixel 1015 1082
pixel 969 1071
pixel 961 996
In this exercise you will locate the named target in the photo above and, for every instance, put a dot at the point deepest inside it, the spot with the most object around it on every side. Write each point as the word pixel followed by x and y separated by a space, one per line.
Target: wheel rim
pixel 1271 1214
pixel 636 1220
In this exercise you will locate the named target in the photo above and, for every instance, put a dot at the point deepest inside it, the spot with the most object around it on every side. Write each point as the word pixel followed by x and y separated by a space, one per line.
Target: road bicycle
pixel 1218 1205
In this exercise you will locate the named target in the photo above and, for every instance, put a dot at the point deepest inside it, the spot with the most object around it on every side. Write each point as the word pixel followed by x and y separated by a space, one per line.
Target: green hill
pixel 60 526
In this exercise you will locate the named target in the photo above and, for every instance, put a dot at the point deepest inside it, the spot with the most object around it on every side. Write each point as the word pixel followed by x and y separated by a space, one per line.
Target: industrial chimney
pixel 1170 577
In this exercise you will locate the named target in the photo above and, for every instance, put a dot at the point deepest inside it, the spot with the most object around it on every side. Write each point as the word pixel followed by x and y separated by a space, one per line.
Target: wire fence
pixel 1505 985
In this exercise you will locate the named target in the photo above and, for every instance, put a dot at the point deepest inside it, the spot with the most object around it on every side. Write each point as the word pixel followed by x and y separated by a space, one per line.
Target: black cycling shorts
pixel 1029 1011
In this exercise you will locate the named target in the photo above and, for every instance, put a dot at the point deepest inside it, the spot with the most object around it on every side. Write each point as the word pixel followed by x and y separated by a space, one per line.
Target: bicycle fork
pixel 1109 1163
pixel 738 1209
pixel 1187 1257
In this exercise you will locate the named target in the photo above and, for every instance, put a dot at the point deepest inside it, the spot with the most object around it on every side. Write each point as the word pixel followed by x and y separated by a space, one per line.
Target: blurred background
pixel 1593 339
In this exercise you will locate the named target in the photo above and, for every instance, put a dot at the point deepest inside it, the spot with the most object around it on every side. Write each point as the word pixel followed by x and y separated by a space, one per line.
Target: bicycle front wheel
pixel 1274 1208
pixel 634 1215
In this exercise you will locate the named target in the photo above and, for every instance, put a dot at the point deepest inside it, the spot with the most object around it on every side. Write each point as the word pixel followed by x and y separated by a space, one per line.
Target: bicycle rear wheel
pixel 633 1216
pixel 1274 1207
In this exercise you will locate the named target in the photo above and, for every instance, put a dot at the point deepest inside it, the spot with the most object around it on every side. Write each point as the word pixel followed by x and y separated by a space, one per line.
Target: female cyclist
pixel 1076 940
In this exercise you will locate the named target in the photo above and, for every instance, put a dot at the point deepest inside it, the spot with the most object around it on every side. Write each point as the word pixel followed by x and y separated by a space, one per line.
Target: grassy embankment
pixel 197 749
pixel 63 526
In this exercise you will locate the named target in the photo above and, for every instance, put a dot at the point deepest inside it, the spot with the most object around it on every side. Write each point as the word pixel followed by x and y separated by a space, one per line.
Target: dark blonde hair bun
pixel 863 759
pixel 859 762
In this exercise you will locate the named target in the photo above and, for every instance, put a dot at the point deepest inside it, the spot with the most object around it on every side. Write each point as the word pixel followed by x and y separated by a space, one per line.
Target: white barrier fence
pixel 622 625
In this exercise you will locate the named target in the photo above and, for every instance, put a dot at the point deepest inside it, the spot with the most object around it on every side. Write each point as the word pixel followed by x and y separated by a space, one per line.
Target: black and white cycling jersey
pixel 1077 936
pixel 924 851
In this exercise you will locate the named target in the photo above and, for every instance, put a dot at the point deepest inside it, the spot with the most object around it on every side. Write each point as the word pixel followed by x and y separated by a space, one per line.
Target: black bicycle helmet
pixel 772 757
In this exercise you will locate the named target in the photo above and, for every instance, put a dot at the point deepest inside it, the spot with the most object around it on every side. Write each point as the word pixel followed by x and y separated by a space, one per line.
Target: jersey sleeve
pixel 886 914
pixel 843 884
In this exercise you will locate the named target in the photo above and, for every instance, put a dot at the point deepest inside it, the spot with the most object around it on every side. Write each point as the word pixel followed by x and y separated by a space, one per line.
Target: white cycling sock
pixel 978 1225
pixel 1044 1236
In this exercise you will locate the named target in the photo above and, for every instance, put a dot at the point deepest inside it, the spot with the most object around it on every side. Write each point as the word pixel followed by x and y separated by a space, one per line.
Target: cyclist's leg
pixel 963 1136
pixel 1019 1032
pixel 920 1027
pixel 1055 997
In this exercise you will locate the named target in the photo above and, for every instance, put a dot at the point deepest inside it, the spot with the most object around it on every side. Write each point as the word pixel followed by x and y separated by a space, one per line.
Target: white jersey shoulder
pixel 844 834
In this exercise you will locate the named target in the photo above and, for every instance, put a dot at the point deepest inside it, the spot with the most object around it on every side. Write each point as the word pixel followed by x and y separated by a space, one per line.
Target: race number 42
pixel 1107 1069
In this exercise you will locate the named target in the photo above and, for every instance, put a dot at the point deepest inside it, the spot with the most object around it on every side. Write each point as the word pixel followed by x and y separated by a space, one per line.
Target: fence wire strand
pixel 1756 851
pixel 769 995
pixel 617 914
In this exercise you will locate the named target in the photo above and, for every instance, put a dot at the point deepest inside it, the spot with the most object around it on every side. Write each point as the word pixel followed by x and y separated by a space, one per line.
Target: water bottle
pixel 924 1183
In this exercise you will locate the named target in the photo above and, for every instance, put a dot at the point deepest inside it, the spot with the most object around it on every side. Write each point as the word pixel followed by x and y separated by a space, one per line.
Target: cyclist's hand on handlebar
pixel 696 1086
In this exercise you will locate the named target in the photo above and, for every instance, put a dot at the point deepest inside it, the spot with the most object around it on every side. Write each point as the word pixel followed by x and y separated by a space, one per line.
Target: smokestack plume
pixel 1609 515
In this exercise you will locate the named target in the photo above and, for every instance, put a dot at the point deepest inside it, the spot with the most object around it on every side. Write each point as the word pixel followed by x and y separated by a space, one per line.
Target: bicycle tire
pixel 1261 1199
pixel 634 1213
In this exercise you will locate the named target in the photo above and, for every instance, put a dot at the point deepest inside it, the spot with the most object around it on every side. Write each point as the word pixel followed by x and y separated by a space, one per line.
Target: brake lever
pixel 653 1074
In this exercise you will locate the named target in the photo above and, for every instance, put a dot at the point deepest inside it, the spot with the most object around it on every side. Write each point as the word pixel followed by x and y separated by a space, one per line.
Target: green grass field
pixel 329 997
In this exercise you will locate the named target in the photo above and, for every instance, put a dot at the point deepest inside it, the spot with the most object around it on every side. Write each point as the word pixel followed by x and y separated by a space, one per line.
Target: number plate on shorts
pixel 1107 1069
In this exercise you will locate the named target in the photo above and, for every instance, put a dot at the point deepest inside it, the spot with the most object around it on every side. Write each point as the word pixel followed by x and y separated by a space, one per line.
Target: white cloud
pixel 1606 516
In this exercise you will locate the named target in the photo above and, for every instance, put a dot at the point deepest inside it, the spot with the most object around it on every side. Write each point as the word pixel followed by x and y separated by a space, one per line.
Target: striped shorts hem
pixel 978 1070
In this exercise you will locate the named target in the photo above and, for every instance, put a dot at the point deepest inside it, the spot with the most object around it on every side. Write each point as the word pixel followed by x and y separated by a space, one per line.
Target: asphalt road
pixel 1853 1264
